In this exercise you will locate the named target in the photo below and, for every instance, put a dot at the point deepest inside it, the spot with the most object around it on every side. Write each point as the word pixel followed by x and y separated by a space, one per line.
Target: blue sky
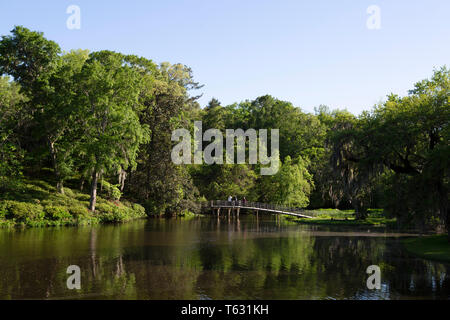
pixel 306 52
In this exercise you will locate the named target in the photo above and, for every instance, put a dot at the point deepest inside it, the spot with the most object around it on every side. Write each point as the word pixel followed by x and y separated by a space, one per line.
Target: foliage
pixel 222 181
pixel 105 116
pixel 11 154
pixel 22 211
pixel 408 140
pixel 111 191
pixel 163 187
pixel 57 213
pixel 37 204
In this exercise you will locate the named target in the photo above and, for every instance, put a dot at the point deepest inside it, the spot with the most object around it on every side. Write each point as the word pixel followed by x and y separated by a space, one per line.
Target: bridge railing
pixel 249 204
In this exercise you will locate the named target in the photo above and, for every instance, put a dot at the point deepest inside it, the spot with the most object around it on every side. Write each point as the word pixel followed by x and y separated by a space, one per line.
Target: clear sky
pixel 307 52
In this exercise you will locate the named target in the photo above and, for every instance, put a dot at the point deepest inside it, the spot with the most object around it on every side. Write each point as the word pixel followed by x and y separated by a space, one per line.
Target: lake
pixel 210 258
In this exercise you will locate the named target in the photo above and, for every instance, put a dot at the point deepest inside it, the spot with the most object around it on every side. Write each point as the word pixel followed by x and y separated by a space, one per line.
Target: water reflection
pixel 209 258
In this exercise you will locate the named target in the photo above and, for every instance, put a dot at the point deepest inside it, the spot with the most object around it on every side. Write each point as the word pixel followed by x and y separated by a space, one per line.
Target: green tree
pixel 409 137
pixel 11 155
pixel 214 116
pixel 162 186
pixel 109 98
pixel 220 181
pixel 31 60
pixel 59 121
pixel 290 186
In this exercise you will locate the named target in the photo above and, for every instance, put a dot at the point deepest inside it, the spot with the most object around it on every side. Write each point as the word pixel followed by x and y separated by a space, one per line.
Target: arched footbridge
pixel 235 206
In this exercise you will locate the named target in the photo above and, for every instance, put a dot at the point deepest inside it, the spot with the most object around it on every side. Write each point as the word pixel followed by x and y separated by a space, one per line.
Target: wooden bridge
pixel 235 207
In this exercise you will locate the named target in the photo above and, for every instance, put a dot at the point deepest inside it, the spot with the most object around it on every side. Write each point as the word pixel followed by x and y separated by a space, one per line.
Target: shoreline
pixel 348 221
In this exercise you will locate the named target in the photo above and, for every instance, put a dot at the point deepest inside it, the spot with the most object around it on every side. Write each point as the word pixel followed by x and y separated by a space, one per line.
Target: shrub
pixel 115 215
pixel 186 214
pixel 119 213
pixel 139 210
pixel 3 209
pixel 103 207
pixel 41 185
pixel 83 197
pixel 126 203
pixel 38 204
pixel 87 220
pixel 57 213
pixel 68 192
pixel 153 208
pixel 78 211
pixel 23 211
pixel 112 190
pixel 6 223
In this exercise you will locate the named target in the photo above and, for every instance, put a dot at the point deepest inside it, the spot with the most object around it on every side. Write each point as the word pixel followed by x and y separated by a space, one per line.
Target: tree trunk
pixel 93 200
pixel 122 177
pixel 60 187
pixel 59 182
pixel 360 210
pixel 356 208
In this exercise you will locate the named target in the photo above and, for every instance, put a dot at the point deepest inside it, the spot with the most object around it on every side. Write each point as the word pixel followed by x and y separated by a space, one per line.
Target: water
pixel 206 258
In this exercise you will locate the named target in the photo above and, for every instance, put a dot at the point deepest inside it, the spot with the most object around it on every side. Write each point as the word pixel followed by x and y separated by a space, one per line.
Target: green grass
pixel 37 204
pixel 344 218
pixel 348 222
pixel 434 247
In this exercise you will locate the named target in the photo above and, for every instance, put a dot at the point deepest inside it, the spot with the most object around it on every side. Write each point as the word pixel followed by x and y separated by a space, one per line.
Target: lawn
pixel 344 217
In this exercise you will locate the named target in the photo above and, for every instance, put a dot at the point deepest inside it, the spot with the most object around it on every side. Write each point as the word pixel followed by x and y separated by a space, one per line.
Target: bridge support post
pixel 237 211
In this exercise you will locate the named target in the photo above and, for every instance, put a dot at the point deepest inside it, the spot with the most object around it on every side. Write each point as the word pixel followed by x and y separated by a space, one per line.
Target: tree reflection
pixel 246 258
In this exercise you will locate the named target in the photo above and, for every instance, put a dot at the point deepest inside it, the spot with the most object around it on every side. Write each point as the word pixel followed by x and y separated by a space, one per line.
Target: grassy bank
pixel 344 218
pixel 35 204
pixel 434 247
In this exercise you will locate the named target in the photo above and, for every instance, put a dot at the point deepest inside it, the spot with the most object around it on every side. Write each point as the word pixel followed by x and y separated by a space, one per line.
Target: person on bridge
pixel 230 199
pixel 244 201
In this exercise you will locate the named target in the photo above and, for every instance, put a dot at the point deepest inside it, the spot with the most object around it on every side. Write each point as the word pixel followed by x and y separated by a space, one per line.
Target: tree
pixel 108 97
pixel 290 186
pixel 11 154
pixel 31 60
pixel 163 187
pixel 214 116
pixel 350 179
pixel 220 181
pixel 59 121
pixel 409 137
